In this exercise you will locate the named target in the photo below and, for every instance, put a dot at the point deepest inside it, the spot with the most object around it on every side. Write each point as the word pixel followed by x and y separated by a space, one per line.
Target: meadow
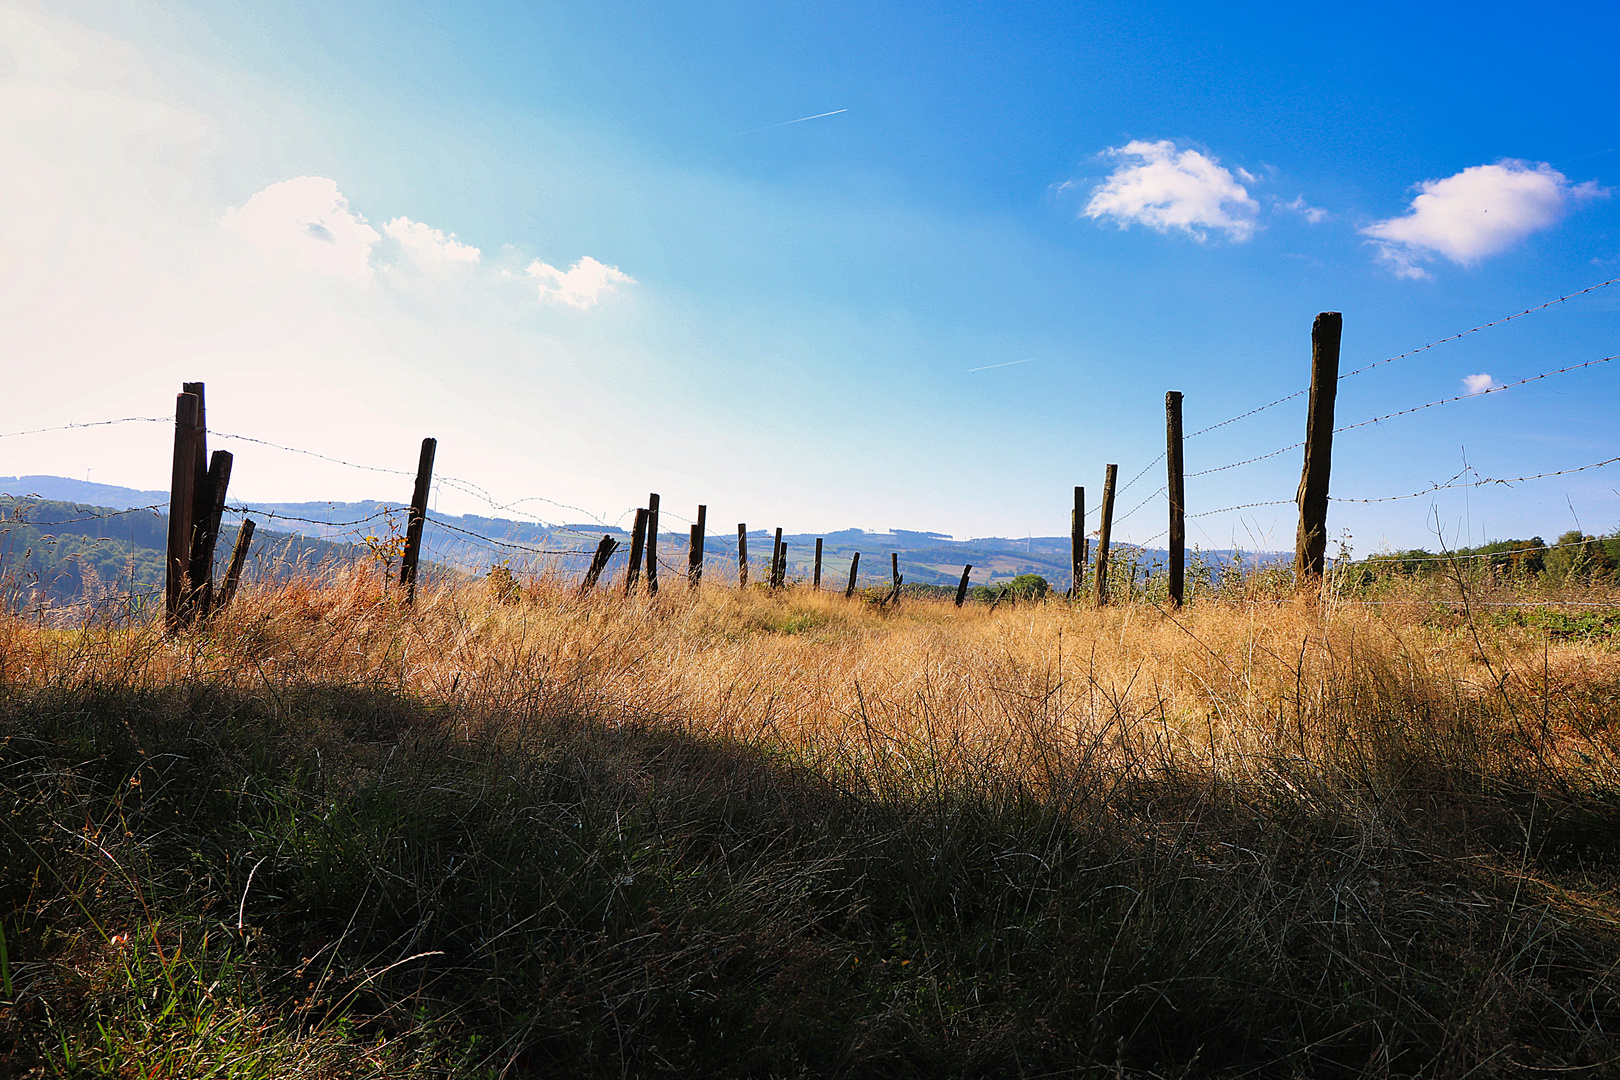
pixel 520 832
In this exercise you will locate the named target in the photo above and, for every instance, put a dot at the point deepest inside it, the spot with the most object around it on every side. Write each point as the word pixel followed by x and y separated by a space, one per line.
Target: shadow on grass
pixel 336 880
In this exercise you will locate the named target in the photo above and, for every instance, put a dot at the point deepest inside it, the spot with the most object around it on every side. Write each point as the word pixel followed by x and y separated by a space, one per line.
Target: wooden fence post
pixel 1077 543
pixel 961 588
pixel 1099 584
pixel 694 550
pixel 781 566
pixel 233 574
pixel 777 560
pixel 182 502
pixel 854 567
pixel 1310 542
pixel 742 555
pixel 599 561
pixel 638 544
pixel 201 571
pixel 418 518
pixel 894 569
pixel 652 545
pixel 1178 506
pixel 815 581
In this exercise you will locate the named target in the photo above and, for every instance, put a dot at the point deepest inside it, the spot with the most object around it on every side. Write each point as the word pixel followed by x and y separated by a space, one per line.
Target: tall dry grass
pixel 1256 836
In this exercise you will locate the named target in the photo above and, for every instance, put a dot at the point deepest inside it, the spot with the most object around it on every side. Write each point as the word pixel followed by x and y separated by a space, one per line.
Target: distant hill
pixel 474 542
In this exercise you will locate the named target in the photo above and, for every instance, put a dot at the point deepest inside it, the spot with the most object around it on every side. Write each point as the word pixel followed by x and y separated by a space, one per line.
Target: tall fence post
pixel 894 571
pixel 233 574
pixel 777 561
pixel 1310 542
pixel 599 561
pixel 1077 543
pixel 742 555
pixel 638 544
pixel 854 568
pixel 961 587
pixel 418 518
pixel 1105 530
pixel 1178 502
pixel 182 501
pixel 815 581
pixel 201 571
pixel 652 544
pixel 694 549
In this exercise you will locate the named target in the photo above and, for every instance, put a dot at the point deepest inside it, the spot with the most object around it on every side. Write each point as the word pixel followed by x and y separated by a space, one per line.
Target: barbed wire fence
pixel 564 542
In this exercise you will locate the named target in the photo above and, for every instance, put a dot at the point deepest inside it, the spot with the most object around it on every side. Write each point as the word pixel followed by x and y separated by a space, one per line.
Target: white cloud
pixel 1315 215
pixel 1157 186
pixel 307 222
pixel 1478 384
pixel 1481 211
pixel 428 247
pixel 585 283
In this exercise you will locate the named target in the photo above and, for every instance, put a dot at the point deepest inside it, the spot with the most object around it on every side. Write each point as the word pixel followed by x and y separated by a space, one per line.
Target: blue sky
pixel 581 246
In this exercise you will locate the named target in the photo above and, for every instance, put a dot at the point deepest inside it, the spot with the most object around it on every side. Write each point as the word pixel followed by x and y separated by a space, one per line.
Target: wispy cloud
pixel 1314 215
pixel 1479 212
pixel 307 222
pixel 429 248
pixel 583 284
pixel 1168 189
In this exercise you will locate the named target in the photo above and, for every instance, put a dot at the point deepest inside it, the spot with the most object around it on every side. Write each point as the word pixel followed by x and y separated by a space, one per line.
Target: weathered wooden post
pixel 694 550
pixel 1077 543
pixel 233 574
pixel 418 518
pixel 1310 542
pixel 1105 529
pixel 182 502
pixel 206 534
pixel 961 587
pixel 894 569
pixel 1178 507
pixel 815 581
pixel 776 560
pixel 599 561
pixel 638 544
pixel 652 544
pixel 742 555
pixel 781 565
pixel 854 568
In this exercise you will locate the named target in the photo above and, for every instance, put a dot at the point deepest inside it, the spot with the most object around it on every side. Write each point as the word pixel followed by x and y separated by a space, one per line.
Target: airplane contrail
pixel 1009 363
pixel 784 123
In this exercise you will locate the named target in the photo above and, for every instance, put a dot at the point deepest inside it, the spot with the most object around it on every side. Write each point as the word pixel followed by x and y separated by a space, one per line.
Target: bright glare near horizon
pixel 822 266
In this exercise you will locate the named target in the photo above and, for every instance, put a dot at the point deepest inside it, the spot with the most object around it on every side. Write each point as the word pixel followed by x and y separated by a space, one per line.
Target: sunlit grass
pixel 772 833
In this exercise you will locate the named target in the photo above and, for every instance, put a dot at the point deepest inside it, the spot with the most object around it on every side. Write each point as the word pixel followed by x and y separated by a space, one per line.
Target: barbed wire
pixel 74 521
pixel 1141 504
pixel 276 514
pixel 506 544
pixel 1404 355
pixel 1481 483
pixel 91 424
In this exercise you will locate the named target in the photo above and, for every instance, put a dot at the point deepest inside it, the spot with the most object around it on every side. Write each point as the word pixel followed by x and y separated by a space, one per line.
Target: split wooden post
pixel 854 567
pixel 1310 542
pixel 418 518
pixel 599 561
pixel 182 501
pixel 201 571
pixel 694 550
pixel 776 560
pixel 1178 502
pixel 638 544
pixel 742 555
pixel 781 565
pixel 1077 543
pixel 894 571
pixel 652 544
pixel 233 574
pixel 1105 529
pixel 815 580
pixel 961 587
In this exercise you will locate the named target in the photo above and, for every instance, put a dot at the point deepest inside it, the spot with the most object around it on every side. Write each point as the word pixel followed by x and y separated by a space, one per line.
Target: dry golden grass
pixel 1379 833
